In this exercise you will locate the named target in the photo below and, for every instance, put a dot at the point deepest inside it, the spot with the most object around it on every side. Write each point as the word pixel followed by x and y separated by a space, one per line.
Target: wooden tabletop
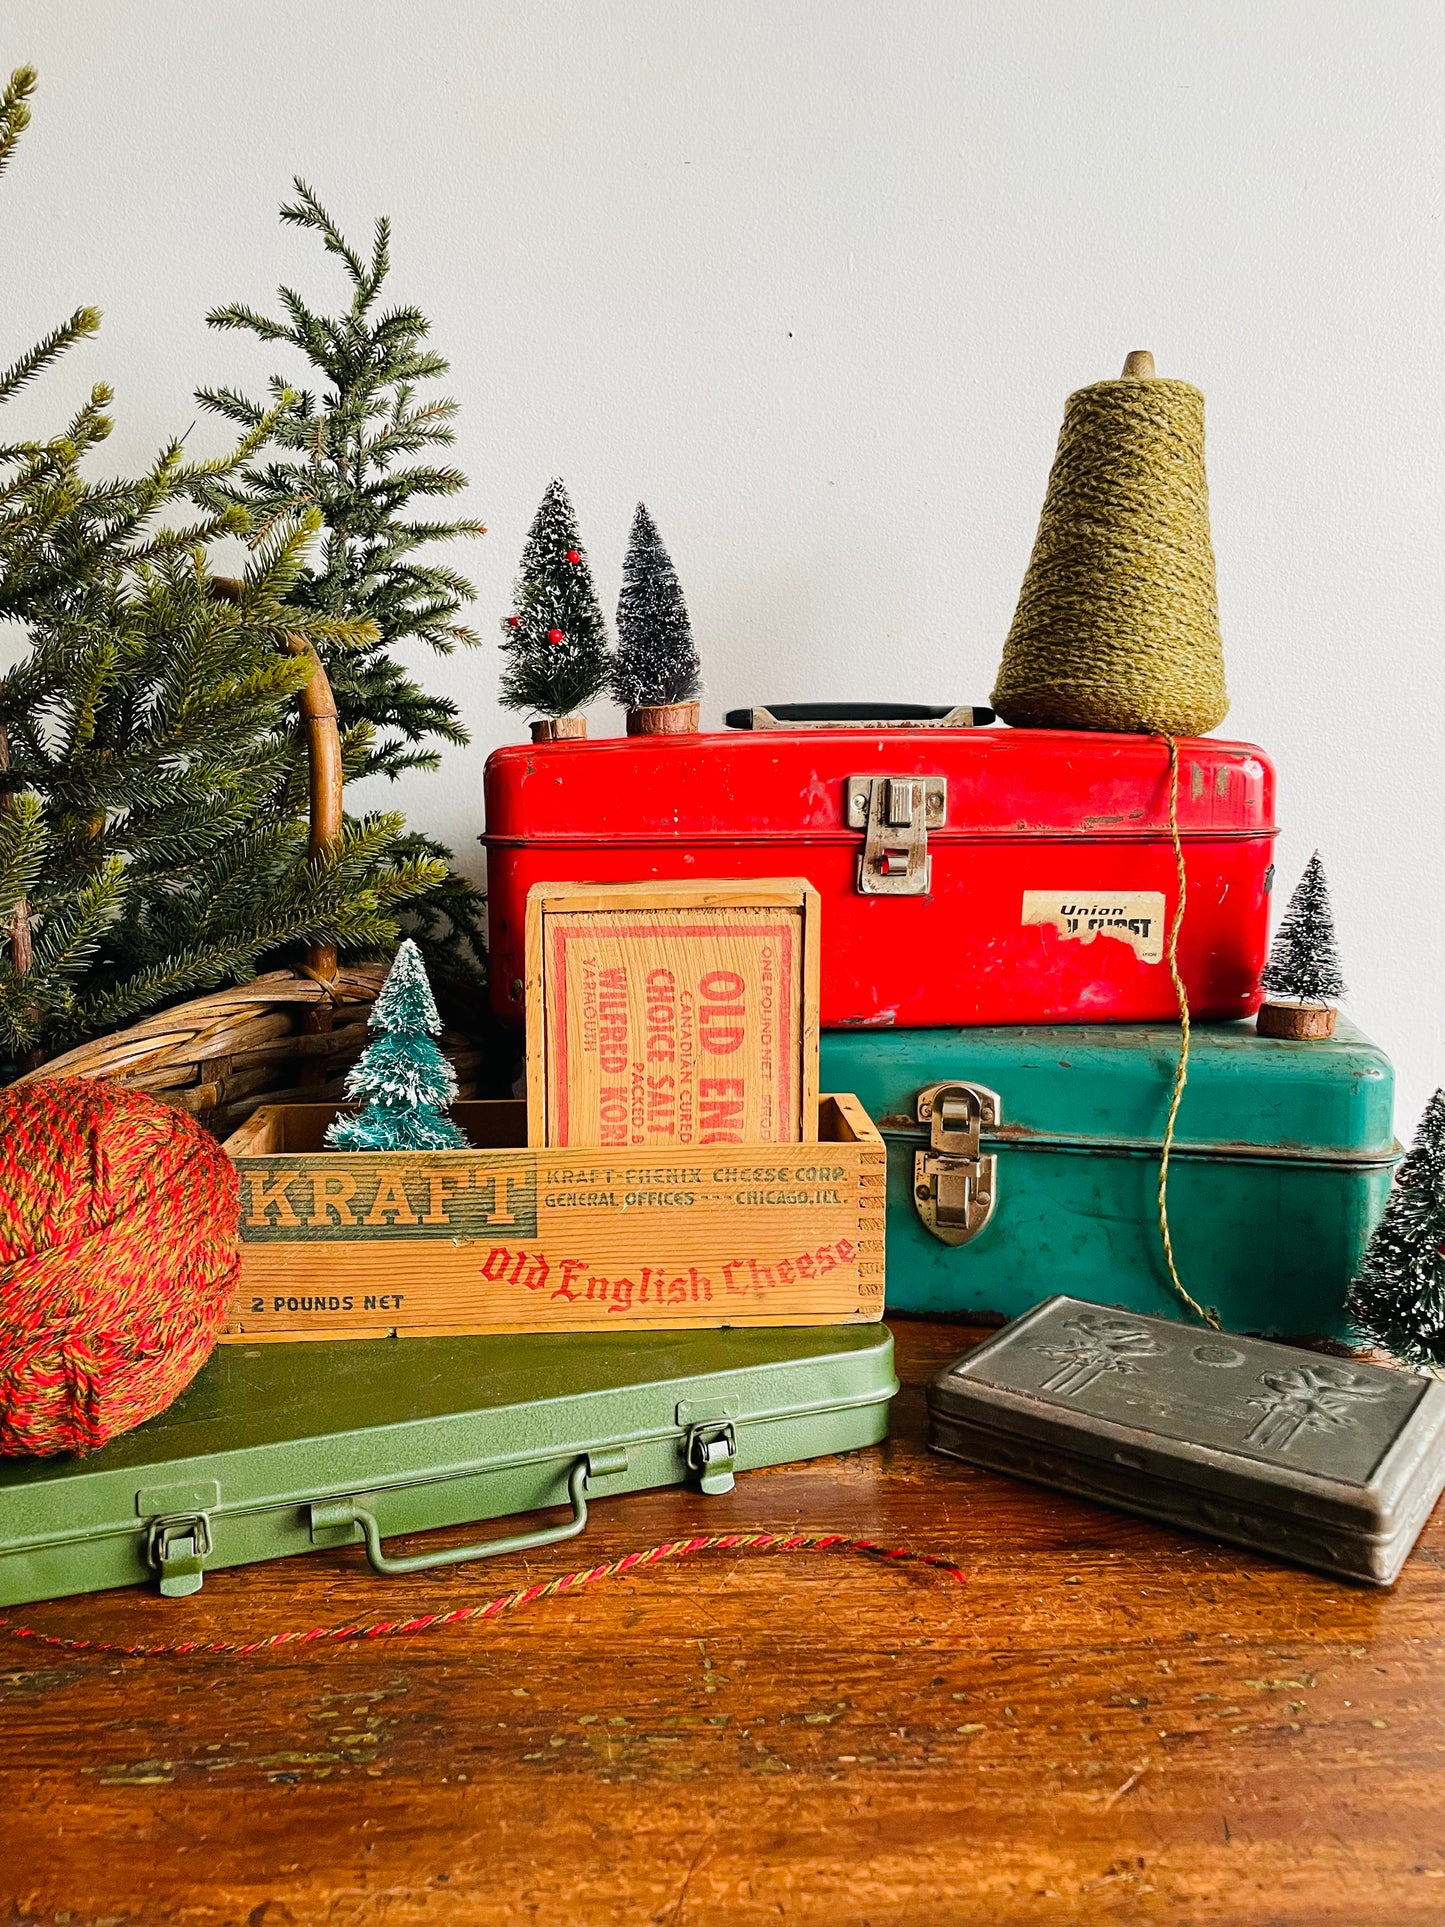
pixel 1109 1722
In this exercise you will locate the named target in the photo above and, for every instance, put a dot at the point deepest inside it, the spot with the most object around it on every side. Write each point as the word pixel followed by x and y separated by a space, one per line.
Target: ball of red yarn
pixel 118 1252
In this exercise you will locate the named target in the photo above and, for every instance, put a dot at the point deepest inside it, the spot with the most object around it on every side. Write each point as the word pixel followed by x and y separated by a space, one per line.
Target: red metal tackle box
pixel 967 876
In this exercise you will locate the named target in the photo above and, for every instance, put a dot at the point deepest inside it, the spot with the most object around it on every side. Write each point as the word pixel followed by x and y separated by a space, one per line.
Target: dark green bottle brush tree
pixel 656 662
pixel 1304 961
pixel 555 639
pixel 403 1081
pixel 1398 1298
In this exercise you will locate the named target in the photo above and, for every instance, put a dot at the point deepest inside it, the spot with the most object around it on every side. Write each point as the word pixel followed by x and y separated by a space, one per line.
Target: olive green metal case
pixel 1025 1160
pixel 278 1449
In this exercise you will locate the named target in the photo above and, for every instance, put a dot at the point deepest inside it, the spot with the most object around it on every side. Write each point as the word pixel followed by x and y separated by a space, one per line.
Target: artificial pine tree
pixel 152 796
pixel 345 448
pixel 155 843
pixel 555 640
pixel 1303 959
pixel 403 1080
pixel 1398 1298
pixel 60 534
pixel 1304 964
pixel 656 662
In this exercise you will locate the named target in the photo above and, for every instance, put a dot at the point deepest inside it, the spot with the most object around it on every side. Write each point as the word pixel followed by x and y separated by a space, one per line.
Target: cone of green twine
pixel 1117 625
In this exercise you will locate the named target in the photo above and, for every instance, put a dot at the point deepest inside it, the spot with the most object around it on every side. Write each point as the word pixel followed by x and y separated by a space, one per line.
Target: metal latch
pixel 896 813
pixel 179 1549
pixel 178 1532
pixel 712 1451
pixel 955 1184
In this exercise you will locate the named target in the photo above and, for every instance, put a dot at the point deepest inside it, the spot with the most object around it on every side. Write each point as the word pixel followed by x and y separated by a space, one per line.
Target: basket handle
pixel 317 704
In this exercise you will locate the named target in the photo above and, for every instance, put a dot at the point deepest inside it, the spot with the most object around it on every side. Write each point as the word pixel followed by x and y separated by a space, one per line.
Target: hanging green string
pixel 1181 1067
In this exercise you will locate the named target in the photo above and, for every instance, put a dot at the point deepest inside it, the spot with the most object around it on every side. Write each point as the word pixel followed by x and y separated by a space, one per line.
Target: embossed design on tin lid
pixel 1104 1343
pixel 1226 1357
pixel 1308 1398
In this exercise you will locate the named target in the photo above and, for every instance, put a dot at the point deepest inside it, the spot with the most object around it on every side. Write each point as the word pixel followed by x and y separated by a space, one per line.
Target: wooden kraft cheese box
pixel 678 1014
pixel 497 1238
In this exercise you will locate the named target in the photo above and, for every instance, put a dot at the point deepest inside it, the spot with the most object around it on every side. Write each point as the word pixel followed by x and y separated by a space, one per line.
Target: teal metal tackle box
pixel 1025 1161
pixel 278 1449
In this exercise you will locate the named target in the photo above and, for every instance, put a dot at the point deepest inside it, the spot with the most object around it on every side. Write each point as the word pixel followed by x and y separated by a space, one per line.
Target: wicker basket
pixel 289 1035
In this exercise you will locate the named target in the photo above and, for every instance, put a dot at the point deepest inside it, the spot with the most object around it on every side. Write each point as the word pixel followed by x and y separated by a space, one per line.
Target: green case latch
pixel 179 1549
pixel 712 1451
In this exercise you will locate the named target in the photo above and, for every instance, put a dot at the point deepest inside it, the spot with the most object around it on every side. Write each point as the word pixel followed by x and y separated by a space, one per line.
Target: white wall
pixel 813 278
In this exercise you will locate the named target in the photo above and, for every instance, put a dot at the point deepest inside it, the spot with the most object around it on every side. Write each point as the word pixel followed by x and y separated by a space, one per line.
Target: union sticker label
pixel 1135 917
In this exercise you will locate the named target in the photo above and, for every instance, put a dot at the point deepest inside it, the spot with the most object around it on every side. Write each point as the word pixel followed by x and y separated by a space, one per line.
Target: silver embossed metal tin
pixel 1329 1462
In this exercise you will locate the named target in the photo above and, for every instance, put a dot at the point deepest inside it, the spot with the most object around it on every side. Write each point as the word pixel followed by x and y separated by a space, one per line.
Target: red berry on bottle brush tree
pixel 557 659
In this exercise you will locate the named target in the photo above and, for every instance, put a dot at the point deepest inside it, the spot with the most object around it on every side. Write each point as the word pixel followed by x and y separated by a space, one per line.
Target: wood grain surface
pixel 1110 1722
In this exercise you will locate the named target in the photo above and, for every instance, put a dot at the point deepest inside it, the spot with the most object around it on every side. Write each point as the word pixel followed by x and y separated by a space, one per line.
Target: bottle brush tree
pixel 358 446
pixel 1304 961
pixel 1398 1297
pixel 402 1079
pixel 656 661
pixel 555 640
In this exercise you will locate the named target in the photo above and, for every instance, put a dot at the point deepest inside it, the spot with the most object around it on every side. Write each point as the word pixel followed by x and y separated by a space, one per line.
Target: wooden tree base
pixel 1301 1022
pixel 550 729
pixel 663 719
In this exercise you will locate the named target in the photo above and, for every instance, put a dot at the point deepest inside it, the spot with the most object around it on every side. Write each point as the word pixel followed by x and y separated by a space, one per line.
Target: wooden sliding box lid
pixel 1330 1462
pixel 676 1014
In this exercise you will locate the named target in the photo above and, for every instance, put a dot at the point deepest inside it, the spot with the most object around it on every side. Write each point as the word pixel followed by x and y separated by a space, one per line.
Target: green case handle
pixel 331 1513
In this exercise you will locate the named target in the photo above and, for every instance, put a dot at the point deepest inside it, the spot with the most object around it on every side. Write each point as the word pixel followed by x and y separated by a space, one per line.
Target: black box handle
pixel 860 716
